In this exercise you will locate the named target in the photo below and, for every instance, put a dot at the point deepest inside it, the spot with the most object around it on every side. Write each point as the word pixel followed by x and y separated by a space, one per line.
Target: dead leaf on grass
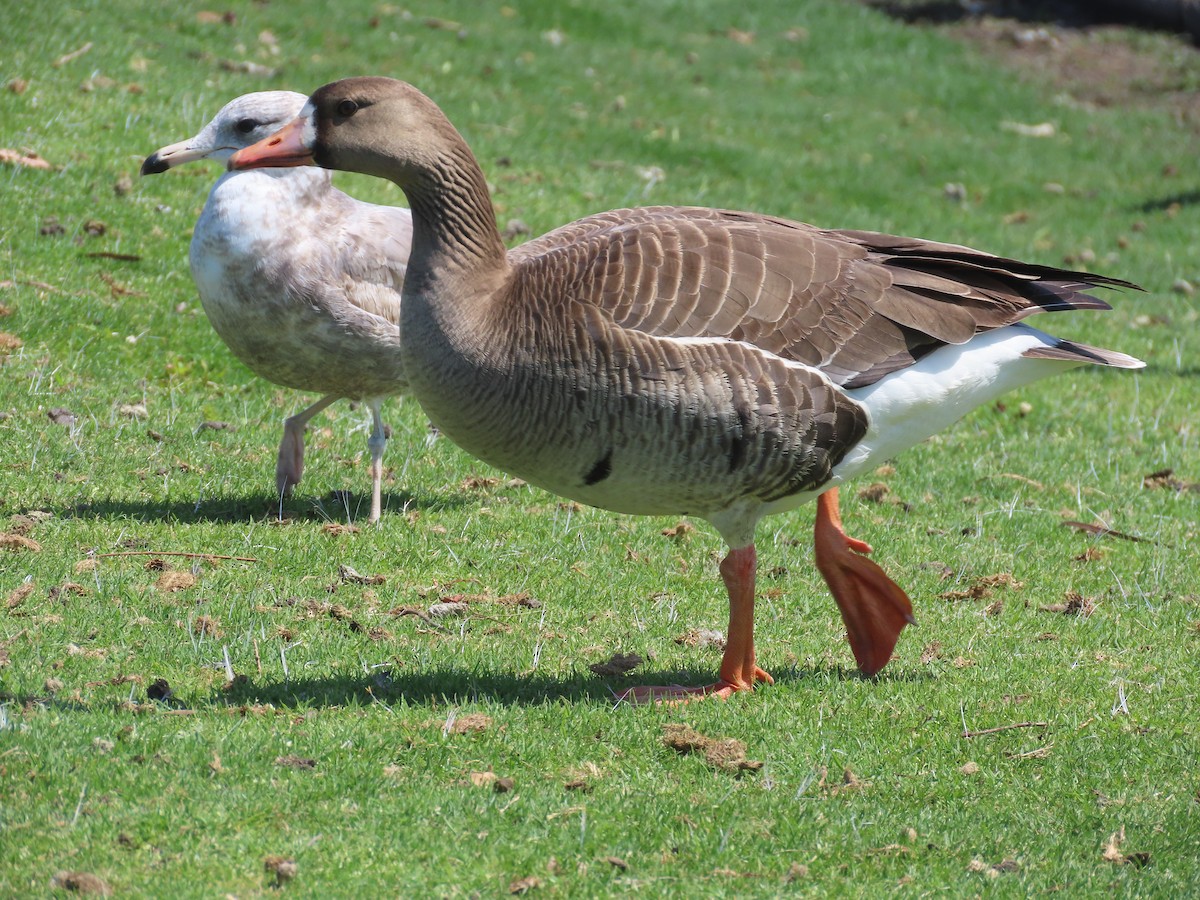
pixel 1091 554
pixel 482 779
pixel 679 530
pixel 1113 853
pixel 444 610
pixel 172 580
pixel 16 542
pixel 617 664
pixel 17 158
pixel 1112 847
pixel 795 872
pixel 995 870
pixel 932 651
pixel 283 868
pixel 9 343
pixel 525 885
pixel 1075 605
pixel 471 723
pixel 522 599
pixel 1165 479
pixel 726 754
pixel 478 483
pixel 207 626
pixel 60 415
pixel 67 587
pixel 291 761
pixel 81 883
pixel 18 595
pixel 347 575
pixel 581 778
pixel 119 290
pixel 704 638
pixel 983 586
pixel 74 649
pixel 133 411
pixel 617 863
pixel 874 493
pixel 850 782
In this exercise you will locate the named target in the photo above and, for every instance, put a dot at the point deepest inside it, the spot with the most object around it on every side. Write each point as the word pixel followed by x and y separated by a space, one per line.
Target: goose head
pixel 240 123
pixel 373 125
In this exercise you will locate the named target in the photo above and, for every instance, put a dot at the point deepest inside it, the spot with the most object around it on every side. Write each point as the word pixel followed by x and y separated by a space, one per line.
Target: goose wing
pixel 854 304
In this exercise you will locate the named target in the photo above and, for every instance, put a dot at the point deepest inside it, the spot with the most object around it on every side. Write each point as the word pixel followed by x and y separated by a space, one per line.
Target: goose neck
pixel 454 223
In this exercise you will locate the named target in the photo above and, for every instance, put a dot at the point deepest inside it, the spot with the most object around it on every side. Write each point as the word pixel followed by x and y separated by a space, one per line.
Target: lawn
pixel 202 697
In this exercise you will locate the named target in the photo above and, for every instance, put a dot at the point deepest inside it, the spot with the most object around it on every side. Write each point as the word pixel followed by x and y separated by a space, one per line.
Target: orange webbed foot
pixel 874 608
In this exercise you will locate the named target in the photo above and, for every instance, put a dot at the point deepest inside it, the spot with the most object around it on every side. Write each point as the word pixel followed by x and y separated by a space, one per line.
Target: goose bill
pixel 285 147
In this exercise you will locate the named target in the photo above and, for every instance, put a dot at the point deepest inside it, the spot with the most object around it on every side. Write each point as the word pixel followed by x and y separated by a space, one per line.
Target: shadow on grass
pixel 334 507
pixel 447 687
pixel 1187 198
pixel 1063 13
pixel 456 686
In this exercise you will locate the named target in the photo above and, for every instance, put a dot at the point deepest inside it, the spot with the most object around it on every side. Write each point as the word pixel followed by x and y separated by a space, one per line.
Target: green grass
pixel 855 121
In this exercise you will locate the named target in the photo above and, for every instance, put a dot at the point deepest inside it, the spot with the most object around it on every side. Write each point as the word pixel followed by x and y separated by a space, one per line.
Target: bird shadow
pixel 1161 204
pixel 452 686
pixel 230 508
pixel 1062 13
pixel 441 687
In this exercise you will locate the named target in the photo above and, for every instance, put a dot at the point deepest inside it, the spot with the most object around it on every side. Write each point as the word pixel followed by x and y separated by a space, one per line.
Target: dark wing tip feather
pixel 1072 351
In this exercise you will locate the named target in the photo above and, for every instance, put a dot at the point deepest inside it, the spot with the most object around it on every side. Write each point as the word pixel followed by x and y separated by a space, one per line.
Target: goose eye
pixel 346 108
pixel 245 126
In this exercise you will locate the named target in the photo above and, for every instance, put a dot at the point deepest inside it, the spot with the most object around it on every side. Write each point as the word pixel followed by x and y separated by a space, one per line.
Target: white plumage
pixel 300 280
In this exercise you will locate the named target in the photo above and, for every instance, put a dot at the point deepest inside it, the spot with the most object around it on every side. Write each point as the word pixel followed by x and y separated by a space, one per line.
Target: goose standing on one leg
pixel 725 365
pixel 301 281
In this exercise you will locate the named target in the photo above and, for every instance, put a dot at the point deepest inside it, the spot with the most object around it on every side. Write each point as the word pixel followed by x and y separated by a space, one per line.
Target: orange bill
pixel 286 147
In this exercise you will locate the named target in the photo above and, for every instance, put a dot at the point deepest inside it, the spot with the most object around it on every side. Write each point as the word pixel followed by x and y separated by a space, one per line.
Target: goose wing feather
pixel 856 305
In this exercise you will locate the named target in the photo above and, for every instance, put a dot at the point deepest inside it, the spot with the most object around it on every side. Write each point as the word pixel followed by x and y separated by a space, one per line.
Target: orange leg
pixel 739 671
pixel 874 608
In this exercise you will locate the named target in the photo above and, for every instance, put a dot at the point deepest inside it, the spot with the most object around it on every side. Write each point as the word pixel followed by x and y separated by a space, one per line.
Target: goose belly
pixel 693 432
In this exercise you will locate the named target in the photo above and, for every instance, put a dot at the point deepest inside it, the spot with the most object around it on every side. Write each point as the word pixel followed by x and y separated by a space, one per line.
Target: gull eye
pixel 245 126
pixel 346 108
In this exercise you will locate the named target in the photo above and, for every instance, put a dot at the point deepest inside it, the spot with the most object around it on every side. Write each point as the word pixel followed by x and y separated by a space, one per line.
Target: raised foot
pixel 874 608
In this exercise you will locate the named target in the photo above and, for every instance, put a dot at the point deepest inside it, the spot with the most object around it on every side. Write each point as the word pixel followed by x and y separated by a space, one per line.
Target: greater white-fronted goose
pixel 300 280
pixel 725 365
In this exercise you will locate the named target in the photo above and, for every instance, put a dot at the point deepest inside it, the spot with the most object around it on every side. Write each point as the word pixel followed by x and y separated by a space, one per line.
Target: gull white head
pixel 240 123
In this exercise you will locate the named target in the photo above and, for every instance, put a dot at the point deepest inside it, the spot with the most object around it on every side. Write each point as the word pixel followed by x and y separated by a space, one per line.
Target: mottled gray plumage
pixel 300 280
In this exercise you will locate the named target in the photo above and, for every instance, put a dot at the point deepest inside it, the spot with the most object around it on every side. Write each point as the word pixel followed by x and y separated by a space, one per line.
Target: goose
pixel 301 281
pixel 675 360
